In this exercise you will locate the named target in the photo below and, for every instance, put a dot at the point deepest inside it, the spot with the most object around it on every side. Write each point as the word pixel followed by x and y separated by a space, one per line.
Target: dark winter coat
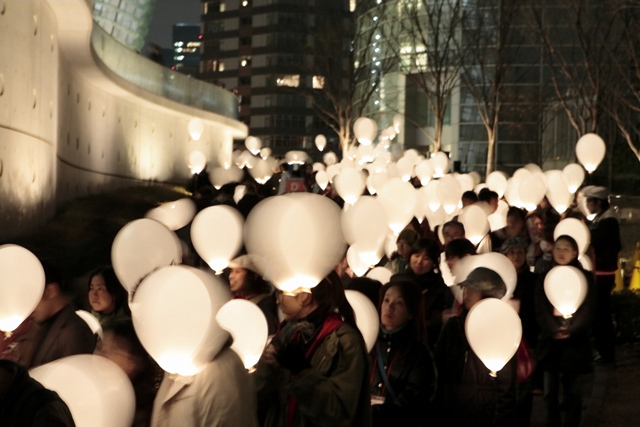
pixel 410 372
pixel 605 240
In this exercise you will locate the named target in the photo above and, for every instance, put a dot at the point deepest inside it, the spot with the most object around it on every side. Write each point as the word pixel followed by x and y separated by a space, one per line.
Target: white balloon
pixel 222 176
pixel 533 168
pixel 439 217
pixel 405 168
pixel 261 171
pixel 333 170
pixel 498 219
pixel 366 316
pixel 174 215
pixel 91 321
pixel 97 392
pixel 449 193
pixel 355 261
pixel 321 142
pixel 430 193
pixel 399 200
pixel 466 181
pixel 366 154
pixel 349 184
pixel 424 171
pixel 376 181
pixel 566 288
pixel 265 153
pixel 476 178
pixel 322 180
pixel 531 190
pixel 196 163
pixel 497 181
pixel 590 151
pixel 475 223
pixel 296 157
pixel 317 167
pixel 272 233
pixel 512 193
pixel 365 130
pixel 216 233
pixel 22 283
pixel 173 313
pixel 247 325
pixel 585 261
pixel 493 260
pixel 577 229
pixel 141 247
pixel 381 274
pixel 396 152
pixel 239 192
pixel 558 193
pixel 253 144
pixel 573 175
pixel 365 223
pixel 195 127
pixel 330 158
pixel 494 331
pixel 440 163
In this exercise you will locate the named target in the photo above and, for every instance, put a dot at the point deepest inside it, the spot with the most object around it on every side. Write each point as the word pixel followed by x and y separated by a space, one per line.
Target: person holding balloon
pixel 564 347
pixel 315 371
pixel 468 394
pixel 403 374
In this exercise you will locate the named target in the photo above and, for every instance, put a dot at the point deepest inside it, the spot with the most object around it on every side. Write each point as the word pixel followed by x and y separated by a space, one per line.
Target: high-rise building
pixel 125 20
pixel 258 49
pixel 186 48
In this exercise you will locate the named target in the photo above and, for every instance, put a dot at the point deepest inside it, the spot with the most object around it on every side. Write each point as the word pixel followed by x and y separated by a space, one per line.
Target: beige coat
pixel 221 395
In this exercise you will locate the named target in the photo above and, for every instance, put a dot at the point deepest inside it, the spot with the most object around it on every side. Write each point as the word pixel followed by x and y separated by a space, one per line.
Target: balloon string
pixel 7 334
pixel 494 374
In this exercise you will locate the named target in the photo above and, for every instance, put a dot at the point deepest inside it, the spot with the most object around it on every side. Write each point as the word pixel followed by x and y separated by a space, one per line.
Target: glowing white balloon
pixel 476 178
pixel 173 313
pixel 195 127
pixel 174 215
pixel 196 163
pixel 330 158
pixel 493 260
pixel 253 144
pixel 475 223
pixel 96 390
pixel 288 262
pixel 21 285
pixel 449 193
pixel 590 151
pixel 424 171
pixel 376 181
pixel 322 180
pixel 381 274
pixel 216 233
pixel 261 171
pixel 365 130
pixel 366 154
pixel 566 288
pixel 222 176
pixel 321 142
pixel 365 223
pixel 265 152
pixel 466 181
pixel 558 193
pixel 399 200
pixel 577 229
pixel 91 321
pixel 296 157
pixel 573 175
pixel 531 190
pixel 398 120
pixel 494 331
pixel 405 168
pixel 333 170
pixel 430 193
pixel 366 316
pixel 141 247
pixel 439 217
pixel 497 181
pixel 585 262
pixel 247 325
pixel 512 192
pixel 239 192
pixel 350 185
pixel 440 163
pixel 355 261
pixel 498 219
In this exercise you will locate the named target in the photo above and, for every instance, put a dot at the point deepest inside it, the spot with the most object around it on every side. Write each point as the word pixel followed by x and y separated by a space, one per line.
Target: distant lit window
pixel 245 60
pixel 292 80
pixel 221 66
pixel 245 3
pixel 318 82
pixel 356 64
pixel 178 44
pixel 352 5
pixel 205 8
pixel 223 6
pixel 179 57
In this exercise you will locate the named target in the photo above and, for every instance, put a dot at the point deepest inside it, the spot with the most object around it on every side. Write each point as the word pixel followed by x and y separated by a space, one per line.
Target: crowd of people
pixel 316 369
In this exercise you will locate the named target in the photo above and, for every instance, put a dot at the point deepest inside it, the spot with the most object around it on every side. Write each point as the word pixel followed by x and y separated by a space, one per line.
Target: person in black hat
pixel 466 393
pixel 606 245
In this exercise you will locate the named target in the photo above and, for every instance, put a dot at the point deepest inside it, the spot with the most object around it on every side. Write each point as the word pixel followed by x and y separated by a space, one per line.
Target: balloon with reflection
pixel 21 285
pixel 96 390
pixel 174 215
pixel 494 331
pixel 216 233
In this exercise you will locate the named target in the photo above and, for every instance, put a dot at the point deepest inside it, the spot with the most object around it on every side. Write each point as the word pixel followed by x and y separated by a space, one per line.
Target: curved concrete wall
pixel 67 129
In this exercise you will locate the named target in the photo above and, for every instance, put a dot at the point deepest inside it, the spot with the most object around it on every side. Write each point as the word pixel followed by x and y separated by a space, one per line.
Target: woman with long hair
pixel 107 297
pixel 315 370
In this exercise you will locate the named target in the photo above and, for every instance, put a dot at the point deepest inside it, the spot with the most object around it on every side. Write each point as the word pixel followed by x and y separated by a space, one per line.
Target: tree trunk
pixel 491 143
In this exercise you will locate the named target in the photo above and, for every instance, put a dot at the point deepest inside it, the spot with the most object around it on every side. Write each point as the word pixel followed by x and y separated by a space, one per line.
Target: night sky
pixel 169 12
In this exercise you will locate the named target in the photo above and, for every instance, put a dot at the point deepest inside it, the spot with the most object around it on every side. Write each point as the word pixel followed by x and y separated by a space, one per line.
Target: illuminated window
pixel 223 6
pixel 292 80
pixel 179 57
pixel 356 64
pixel 245 60
pixel 205 8
pixel 318 82
pixel 221 66
pixel 245 3
pixel 352 5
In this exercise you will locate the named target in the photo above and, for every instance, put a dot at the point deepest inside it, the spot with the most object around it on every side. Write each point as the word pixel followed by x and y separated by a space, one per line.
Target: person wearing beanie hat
pixel 466 393
pixel 605 247
pixel 400 258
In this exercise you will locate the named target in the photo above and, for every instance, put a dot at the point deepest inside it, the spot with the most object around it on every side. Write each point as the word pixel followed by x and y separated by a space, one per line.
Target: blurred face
pixel 403 248
pixel 493 203
pixel 593 206
pixel 451 262
pixel 99 298
pixel 517 256
pixel 237 278
pixel 563 252
pixel 393 312
pixel 451 233
pixel 293 304
pixel 514 225
pixel 420 263
pixel 470 297
pixel 115 349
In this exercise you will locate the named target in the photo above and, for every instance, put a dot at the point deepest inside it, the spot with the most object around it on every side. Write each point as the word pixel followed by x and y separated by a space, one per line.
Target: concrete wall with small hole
pixel 67 130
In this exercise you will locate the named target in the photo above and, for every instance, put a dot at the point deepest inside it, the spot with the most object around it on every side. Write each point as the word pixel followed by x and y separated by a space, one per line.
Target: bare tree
pixel 485 41
pixel 342 63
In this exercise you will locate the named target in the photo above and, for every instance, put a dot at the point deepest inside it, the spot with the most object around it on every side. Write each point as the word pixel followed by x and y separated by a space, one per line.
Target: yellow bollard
pixel 619 277
pixel 635 277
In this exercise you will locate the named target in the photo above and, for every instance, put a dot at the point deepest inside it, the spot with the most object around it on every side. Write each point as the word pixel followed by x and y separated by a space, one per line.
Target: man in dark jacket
pixel 605 242
pixel 55 330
